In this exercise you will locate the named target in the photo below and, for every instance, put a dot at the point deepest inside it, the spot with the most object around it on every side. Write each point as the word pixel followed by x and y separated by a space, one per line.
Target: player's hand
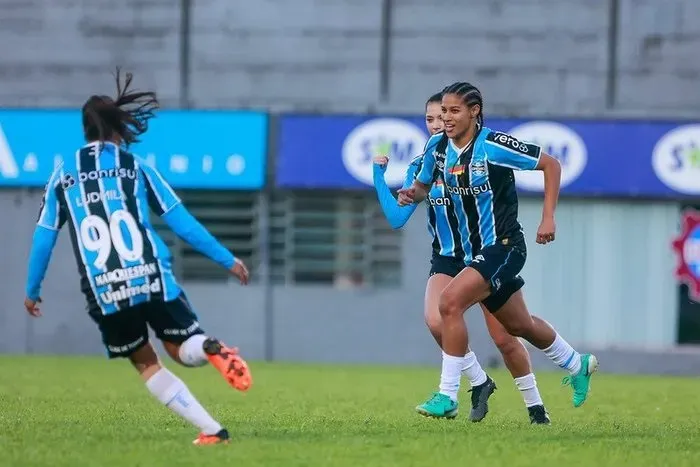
pixel 381 162
pixel 32 307
pixel 406 196
pixel 545 233
pixel 240 271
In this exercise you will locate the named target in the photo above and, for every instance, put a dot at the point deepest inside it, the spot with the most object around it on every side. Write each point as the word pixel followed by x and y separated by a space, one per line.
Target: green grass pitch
pixel 79 411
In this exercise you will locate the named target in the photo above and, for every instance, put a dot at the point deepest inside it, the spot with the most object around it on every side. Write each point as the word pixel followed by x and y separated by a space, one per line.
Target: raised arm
pixel 426 176
pixel 395 214
pixel 163 200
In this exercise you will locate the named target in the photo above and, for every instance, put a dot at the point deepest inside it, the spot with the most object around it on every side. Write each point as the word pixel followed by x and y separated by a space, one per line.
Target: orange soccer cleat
pixel 229 364
pixel 221 437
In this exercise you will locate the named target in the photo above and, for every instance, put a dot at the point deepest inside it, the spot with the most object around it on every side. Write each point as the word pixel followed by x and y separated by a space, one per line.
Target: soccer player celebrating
pixel 447 261
pixel 104 194
pixel 475 165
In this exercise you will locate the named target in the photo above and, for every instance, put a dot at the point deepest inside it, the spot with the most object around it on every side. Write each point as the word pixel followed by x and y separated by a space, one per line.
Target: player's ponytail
pixel 126 116
pixel 470 96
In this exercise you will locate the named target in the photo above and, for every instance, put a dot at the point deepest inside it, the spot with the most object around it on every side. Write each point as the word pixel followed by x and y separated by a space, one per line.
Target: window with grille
pixel 332 238
pixel 314 238
pixel 232 217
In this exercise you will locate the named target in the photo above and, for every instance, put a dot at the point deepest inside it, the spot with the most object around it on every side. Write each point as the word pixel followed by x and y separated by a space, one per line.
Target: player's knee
pixel 173 351
pixel 506 343
pixel 519 327
pixel 145 361
pixel 434 324
pixel 449 306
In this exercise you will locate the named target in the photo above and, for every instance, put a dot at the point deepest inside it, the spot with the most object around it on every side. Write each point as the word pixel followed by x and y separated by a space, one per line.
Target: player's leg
pixel 443 269
pixel 517 320
pixel 466 289
pixel 125 335
pixel 176 325
pixel 515 355
pixel 172 392
pixel 436 284
pixel 440 405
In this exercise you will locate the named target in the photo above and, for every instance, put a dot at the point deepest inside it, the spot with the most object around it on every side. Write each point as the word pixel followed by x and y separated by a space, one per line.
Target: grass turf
pixel 76 411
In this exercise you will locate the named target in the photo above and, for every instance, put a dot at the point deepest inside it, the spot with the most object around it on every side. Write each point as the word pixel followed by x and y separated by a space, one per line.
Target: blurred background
pixel 272 111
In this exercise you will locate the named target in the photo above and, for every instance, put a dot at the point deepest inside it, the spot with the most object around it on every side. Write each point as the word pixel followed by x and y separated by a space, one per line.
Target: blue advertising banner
pixel 599 158
pixel 192 149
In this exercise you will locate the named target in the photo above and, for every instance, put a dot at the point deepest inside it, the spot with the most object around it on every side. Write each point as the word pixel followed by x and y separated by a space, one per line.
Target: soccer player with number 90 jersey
pixel 104 194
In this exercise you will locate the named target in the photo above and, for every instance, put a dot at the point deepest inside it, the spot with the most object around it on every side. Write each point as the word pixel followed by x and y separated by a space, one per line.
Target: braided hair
pixel 125 116
pixel 470 96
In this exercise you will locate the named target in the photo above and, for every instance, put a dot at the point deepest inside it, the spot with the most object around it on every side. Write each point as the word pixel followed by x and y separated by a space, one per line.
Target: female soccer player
pixel 475 165
pixel 447 262
pixel 104 192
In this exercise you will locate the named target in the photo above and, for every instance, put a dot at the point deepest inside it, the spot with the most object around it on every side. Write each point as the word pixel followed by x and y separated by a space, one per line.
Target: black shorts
pixel 498 267
pixel 126 331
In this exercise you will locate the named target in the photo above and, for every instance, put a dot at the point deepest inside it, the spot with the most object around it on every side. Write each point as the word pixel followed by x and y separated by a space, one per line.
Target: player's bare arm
pixel 413 194
pixel 551 170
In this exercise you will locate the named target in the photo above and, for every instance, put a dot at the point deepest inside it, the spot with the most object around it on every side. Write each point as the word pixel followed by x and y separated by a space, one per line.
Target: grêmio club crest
pixel 687 248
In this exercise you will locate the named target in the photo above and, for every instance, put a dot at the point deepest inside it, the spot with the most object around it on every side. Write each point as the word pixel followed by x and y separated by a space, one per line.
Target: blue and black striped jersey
pixel 479 182
pixel 442 220
pixel 104 193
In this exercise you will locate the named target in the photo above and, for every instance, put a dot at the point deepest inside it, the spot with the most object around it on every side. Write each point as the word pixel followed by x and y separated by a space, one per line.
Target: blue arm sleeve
pixel 190 230
pixel 395 214
pixel 43 243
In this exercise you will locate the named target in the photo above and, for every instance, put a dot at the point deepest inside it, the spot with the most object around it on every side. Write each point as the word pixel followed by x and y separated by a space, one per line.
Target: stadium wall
pixel 594 284
pixel 528 56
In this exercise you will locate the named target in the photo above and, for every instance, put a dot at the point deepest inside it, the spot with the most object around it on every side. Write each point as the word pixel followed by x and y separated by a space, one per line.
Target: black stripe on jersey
pixel 472 213
pixel 432 220
pixel 85 285
pixel 130 195
pixel 469 202
pixel 153 201
pixel 510 143
pixel 88 163
pixel 454 226
pixel 452 221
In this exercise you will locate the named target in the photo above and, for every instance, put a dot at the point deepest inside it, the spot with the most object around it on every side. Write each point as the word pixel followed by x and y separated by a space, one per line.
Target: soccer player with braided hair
pixel 104 193
pixel 447 261
pixel 475 165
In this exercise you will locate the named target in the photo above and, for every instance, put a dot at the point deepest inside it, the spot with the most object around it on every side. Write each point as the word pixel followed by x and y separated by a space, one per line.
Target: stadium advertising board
pixel 192 149
pixel 599 158
pixel 687 249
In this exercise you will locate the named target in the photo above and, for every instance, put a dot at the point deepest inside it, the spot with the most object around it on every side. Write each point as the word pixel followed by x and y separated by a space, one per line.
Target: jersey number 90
pixel 98 236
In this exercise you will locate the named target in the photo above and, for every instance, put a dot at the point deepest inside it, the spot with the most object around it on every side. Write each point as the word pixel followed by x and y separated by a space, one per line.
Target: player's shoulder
pixel 56 175
pixel 139 161
pixel 497 137
pixel 435 140
pixel 503 140
pixel 416 161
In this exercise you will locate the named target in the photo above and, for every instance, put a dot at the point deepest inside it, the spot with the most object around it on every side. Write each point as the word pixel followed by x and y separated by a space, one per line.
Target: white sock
pixel 192 351
pixel 561 353
pixel 472 370
pixel 527 385
pixel 172 392
pixel 451 374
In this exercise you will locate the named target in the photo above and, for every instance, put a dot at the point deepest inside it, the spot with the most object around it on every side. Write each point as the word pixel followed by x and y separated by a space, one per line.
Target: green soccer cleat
pixel 581 381
pixel 439 406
